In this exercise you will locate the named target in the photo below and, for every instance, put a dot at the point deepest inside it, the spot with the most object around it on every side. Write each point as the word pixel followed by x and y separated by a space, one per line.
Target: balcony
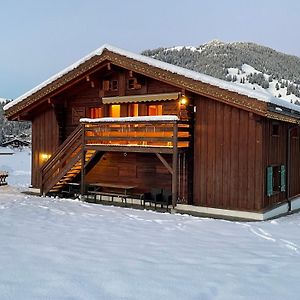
pixel 145 133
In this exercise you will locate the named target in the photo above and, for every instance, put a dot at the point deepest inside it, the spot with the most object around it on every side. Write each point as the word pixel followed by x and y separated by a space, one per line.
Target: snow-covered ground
pixel 67 249
pixel 17 165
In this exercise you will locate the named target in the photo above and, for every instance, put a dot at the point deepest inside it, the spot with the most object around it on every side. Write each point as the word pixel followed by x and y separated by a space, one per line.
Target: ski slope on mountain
pixel 246 70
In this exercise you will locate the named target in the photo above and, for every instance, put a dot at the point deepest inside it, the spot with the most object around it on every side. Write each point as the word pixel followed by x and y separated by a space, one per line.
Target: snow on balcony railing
pixel 149 131
pixel 131 119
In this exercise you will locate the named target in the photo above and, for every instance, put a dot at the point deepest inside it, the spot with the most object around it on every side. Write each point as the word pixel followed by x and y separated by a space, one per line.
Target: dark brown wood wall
pixel 143 170
pixel 295 163
pixel 80 100
pixel 44 140
pixel 156 87
pixel 227 157
pixel 275 154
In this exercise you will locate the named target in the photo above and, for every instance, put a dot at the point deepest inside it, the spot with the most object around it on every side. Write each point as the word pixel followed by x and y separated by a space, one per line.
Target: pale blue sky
pixel 39 38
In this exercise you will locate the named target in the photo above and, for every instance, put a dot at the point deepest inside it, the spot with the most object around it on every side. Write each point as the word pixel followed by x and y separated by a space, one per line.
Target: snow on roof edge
pixel 230 86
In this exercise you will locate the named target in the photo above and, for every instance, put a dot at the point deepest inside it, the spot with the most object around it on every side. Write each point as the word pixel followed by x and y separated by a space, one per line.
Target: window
pixel 115 111
pixel 275 180
pixel 113 85
pixel 154 110
pixel 131 83
pixel 133 110
pixel 110 85
pixel 96 112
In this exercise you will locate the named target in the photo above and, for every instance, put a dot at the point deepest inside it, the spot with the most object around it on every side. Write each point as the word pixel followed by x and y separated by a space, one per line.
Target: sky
pixel 40 38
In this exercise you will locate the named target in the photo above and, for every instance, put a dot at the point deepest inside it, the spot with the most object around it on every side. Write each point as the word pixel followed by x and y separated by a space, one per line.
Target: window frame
pixel 276 179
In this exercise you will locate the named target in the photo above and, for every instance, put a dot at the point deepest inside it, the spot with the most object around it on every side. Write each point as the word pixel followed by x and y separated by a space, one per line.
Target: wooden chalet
pixel 119 117
pixel 15 143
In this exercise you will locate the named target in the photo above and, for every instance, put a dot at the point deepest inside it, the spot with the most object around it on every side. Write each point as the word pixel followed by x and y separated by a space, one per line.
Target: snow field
pixel 67 249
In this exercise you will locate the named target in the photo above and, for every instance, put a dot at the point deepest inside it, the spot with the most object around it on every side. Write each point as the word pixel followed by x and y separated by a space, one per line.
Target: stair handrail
pixel 62 149
pixel 46 188
pixel 69 140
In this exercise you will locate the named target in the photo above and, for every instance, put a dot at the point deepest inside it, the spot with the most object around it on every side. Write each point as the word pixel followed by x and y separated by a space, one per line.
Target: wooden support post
pixel 83 152
pixel 175 165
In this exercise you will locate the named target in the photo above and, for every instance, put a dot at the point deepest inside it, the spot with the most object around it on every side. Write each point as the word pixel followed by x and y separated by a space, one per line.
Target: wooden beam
pixel 165 163
pixel 109 66
pixel 50 102
pixel 83 153
pixel 175 166
pixel 135 149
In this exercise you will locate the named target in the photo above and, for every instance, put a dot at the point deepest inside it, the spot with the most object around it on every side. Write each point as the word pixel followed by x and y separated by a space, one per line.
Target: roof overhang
pixel 281 113
pixel 140 98
pixel 185 79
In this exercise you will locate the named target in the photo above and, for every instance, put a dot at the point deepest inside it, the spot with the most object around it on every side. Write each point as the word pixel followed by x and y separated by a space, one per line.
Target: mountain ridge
pixel 280 72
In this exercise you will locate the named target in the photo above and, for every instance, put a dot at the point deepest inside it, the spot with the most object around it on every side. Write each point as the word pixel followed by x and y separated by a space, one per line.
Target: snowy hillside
pixel 277 88
pixel 261 68
pixel 66 249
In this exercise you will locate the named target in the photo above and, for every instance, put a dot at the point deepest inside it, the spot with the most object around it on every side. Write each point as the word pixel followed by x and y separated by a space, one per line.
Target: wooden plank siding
pixel 295 163
pixel 275 154
pixel 275 147
pixel 227 157
pixel 45 138
pixel 143 170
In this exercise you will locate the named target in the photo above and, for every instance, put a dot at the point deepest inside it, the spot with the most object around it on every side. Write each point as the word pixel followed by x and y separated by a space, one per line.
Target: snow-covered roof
pixel 132 119
pixel 230 86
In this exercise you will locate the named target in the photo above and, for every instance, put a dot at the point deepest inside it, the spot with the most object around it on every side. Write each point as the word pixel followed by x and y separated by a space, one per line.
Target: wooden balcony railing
pixel 139 131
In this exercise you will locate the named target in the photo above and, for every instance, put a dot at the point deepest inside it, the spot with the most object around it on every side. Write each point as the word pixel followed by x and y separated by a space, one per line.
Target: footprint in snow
pixel 290 245
pixel 262 234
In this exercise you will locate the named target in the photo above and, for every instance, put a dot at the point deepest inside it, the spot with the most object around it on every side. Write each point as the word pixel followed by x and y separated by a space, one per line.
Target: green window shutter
pixel 282 178
pixel 269 181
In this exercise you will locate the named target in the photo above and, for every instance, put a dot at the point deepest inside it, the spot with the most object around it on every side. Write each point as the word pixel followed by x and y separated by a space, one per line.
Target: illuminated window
pixel 133 110
pixel 154 110
pixel 115 111
pixel 96 112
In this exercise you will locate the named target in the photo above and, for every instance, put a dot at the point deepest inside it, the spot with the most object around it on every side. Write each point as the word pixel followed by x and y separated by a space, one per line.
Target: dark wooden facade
pixel 234 138
pixel 228 154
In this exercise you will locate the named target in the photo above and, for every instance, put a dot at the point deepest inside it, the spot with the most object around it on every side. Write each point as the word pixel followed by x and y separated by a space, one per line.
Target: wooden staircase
pixel 65 164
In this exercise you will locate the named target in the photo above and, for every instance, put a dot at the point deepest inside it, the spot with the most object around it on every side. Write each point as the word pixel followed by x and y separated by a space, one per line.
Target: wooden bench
pixel 3 176
pixel 111 195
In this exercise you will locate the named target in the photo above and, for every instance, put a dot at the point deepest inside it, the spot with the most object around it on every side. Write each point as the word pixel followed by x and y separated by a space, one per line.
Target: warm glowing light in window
pixel 115 111
pixel 154 110
pixel 96 112
pixel 133 110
